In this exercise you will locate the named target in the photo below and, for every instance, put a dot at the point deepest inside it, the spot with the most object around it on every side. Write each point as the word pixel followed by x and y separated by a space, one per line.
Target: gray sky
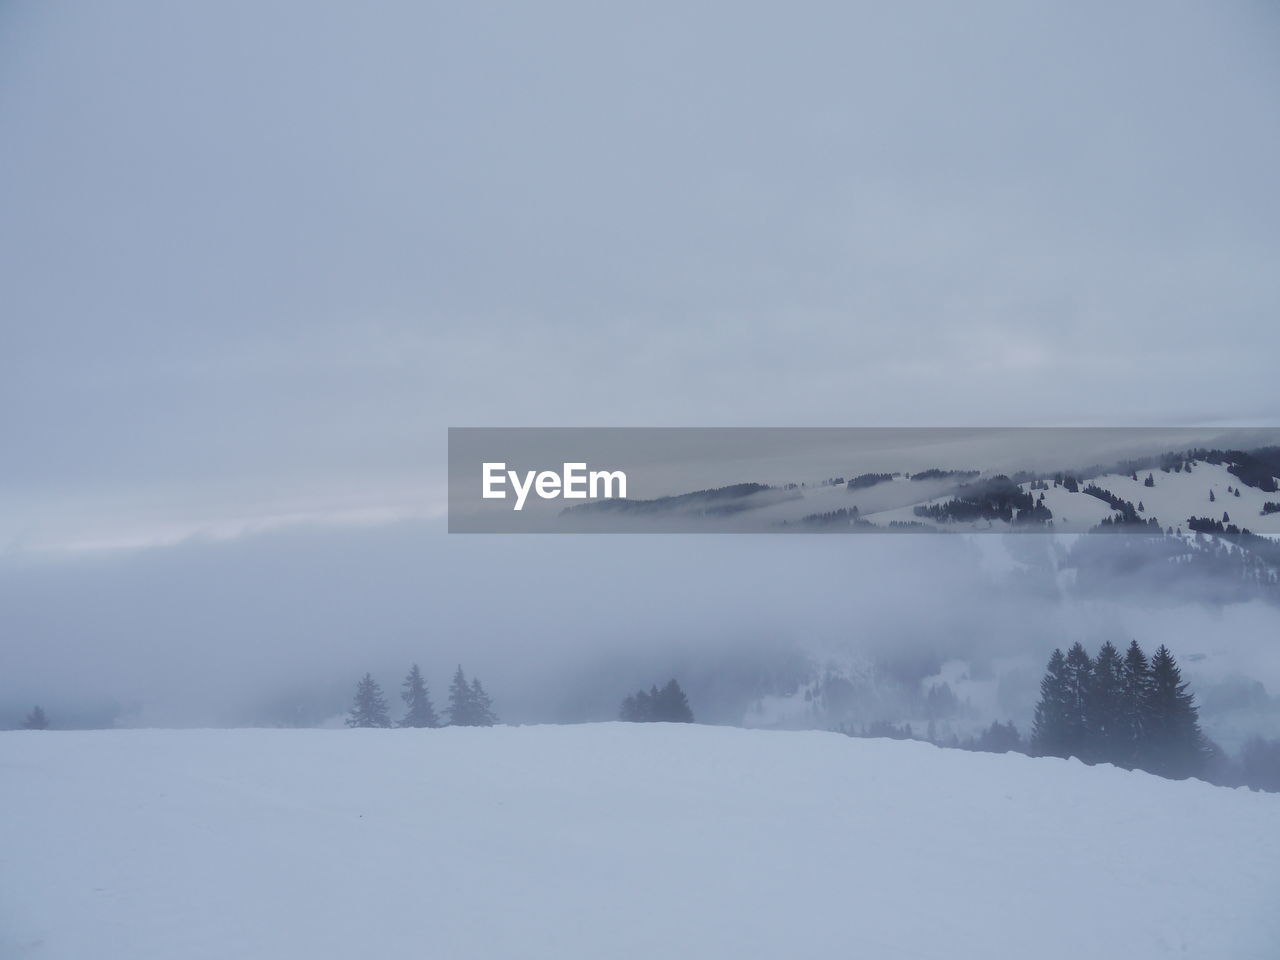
pixel 256 257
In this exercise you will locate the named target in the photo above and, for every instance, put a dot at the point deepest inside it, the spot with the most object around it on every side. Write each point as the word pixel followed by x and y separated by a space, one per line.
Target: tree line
pixel 1129 711
pixel 1132 712
pixel 668 705
pixel 469 704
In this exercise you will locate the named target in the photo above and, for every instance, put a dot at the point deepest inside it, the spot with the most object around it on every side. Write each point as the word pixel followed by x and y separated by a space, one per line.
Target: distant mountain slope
pixel 894 501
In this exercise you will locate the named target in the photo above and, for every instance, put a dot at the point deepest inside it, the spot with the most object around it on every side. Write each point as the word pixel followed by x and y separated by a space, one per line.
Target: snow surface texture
pixel 613 840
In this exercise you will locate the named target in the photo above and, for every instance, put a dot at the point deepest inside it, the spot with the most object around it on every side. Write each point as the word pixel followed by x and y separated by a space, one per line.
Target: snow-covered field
pixel 613 840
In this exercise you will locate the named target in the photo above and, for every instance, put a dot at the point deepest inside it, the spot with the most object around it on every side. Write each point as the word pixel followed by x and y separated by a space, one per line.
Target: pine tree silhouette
pixel 419 710
pixel 636 708
pixel 36 719
pixel 1175 747
pixel 469 704
pixel 483 706
pixel 462 709
pixel 1050 732
pixel 1105 707
pixel 672 705
pixel 1136 691
pixel 370 707
pixel 1079 677
pixel 668 705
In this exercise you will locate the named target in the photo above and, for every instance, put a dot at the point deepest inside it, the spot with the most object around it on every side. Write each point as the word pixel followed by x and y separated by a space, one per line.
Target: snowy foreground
pixel 613 840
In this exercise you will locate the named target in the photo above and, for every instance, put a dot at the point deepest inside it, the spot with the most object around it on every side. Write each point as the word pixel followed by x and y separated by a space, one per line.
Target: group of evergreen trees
pixel 37 719
pixel 997 498
pixel 469 704
pixel 1127 711
pixel 668 705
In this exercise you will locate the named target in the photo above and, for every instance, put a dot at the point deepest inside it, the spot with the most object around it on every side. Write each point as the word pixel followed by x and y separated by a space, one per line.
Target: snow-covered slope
pixel 1172 499
pixel 616 841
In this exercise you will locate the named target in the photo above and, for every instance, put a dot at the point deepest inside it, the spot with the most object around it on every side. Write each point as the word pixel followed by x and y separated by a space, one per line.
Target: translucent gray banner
pixel 1176 481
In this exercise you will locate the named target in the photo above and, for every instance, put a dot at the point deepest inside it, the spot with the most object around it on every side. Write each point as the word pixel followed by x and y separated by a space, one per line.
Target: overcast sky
pixel 255 257
pixel 258 255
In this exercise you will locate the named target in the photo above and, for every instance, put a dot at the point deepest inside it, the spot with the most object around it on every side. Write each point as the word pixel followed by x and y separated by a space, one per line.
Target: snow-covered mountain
pixel 1193 488
pixel 1172 499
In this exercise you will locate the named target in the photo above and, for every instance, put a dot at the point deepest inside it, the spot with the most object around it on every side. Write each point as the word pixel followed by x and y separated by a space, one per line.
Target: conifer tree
pixel 469 703
pixel 1079 677
pixel 668 705
pixel 1175 746
pixel 1050 732
pixel 483 706
pixel 37 719
pixel 370 707
pixel 1136 683
pixel 636 708
pixel 672 705
pixel 462 711
pixel 419 712
pixel 1105 707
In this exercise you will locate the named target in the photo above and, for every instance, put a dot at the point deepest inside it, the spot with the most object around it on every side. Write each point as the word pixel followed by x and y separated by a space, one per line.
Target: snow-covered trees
pixel 1126 712
pixel 370 707
pixel 668 705
pixel 37 719
pixel 419 710
pixel 469 704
